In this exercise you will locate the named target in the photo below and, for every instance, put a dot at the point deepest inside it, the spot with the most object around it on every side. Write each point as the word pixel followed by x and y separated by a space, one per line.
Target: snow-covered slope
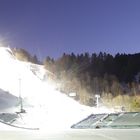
pixel 45 106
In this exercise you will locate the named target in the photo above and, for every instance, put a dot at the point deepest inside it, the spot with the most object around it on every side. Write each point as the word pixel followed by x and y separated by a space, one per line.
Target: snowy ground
pixel 100 134
pixel 45 107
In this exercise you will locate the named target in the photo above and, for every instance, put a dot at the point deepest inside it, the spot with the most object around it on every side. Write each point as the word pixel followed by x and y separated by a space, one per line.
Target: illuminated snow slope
pixel 46 107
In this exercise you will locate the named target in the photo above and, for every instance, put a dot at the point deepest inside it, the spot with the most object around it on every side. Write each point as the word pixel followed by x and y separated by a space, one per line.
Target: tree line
pixel 101 73
pixel 89 74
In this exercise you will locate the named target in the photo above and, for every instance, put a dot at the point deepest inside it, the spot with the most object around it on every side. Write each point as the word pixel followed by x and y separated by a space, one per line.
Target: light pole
pixel 20 98
pixel 97 100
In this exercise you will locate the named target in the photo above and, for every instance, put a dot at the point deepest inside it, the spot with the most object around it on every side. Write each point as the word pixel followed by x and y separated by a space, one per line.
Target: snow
pixel 100 134
pixel 45 106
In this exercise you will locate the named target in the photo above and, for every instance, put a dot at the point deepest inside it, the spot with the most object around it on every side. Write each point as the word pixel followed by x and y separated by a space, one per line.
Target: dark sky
pixel 52 27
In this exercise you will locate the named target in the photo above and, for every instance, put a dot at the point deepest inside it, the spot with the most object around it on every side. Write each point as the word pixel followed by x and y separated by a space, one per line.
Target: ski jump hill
pixel 45 106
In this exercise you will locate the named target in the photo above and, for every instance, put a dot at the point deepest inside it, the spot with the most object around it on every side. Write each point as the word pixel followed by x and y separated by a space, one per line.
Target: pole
pixel 20 98
pixel 97 100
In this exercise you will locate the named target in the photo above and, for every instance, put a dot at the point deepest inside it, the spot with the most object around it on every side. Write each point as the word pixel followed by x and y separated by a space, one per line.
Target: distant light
pixel 72 94
pixel 97 96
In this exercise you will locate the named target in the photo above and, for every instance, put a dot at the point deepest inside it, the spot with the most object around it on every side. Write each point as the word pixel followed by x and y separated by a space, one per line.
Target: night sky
pixel 52 27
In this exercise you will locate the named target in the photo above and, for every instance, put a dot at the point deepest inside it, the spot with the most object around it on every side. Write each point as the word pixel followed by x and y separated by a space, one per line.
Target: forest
pixel 115 78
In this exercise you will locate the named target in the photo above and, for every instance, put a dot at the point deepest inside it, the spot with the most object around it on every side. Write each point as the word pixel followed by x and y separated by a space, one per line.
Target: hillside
pixel 44 105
